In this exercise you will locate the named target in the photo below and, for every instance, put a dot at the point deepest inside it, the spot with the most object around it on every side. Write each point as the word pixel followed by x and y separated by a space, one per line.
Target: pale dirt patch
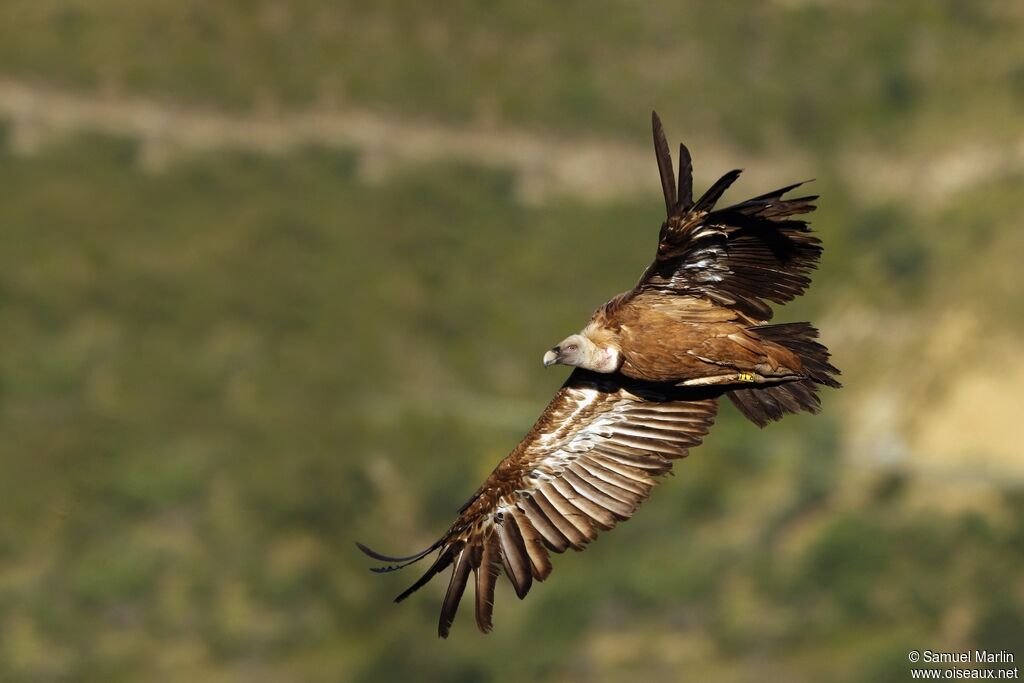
pixel 936 396
pixel 975 429
pixel 545 166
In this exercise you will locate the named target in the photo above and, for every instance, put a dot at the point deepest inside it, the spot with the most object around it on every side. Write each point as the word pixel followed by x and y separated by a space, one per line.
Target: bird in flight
pixel 648 370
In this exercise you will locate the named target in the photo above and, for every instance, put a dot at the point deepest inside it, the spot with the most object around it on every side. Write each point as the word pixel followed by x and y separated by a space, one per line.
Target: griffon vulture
pixel 649 367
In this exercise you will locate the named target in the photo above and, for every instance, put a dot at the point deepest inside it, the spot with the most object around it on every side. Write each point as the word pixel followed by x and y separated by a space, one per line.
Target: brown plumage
pixel 650 366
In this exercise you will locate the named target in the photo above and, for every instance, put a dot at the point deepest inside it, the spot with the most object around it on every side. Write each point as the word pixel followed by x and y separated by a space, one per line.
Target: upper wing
pixel 741 256
pixel 587 464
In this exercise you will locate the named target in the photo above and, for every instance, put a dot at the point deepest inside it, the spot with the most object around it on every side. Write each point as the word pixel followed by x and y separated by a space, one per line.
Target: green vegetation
pixel 216 377
pixel 818 74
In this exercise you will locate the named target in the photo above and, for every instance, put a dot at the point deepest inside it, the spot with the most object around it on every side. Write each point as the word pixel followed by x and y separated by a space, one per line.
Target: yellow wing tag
pixel 746 377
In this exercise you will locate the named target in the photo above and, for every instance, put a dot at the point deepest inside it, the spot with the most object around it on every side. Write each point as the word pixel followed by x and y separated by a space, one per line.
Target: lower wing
pixel 591 459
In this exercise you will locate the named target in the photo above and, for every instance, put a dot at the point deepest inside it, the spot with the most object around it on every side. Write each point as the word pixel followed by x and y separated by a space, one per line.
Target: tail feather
pixel 765 404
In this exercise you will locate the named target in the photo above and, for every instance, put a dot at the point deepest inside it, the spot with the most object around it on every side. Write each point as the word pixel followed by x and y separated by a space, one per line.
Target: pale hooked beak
pixel 551 357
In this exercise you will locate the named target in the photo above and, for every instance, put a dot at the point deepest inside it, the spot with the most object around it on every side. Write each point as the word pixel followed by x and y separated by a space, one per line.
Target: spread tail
pixel 765 404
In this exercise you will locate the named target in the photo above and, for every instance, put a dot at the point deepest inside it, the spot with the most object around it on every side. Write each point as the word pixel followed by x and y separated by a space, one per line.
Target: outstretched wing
pixel 590 460
pixel 742 256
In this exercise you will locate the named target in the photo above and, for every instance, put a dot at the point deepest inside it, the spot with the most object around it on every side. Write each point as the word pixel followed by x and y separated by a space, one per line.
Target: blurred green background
pixel 277 276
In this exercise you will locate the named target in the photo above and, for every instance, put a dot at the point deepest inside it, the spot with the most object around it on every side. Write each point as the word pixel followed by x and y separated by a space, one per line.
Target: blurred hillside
pixel 277 276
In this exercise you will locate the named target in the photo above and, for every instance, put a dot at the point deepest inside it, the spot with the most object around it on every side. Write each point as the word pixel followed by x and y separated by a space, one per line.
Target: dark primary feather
pixel 514 556
pixel 664 157
pixel 388 558
pixel 684 197
pixel 456 587
pixel 440 564
pixel 486 576
pixel 708 200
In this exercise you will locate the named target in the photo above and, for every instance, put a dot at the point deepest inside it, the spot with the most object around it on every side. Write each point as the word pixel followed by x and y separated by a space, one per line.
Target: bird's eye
pixel 571 347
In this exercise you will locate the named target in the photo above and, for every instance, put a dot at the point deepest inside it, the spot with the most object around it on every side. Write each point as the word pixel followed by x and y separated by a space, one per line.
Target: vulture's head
pixel 581 352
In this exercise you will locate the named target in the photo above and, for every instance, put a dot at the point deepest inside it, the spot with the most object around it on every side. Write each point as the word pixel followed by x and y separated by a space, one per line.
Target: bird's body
pixel 686 340
pixel 649 368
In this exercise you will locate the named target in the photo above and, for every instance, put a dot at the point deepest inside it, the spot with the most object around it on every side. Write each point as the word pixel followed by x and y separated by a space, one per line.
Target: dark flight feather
pixel 540 562
pixel 456 587
pixel 514 556
pixel 708 200
pixel 664 157
pixel 486 577
pixel 684 197
pixel 550 535
pixel 440 564
pixel 575 538
pixel 388 558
